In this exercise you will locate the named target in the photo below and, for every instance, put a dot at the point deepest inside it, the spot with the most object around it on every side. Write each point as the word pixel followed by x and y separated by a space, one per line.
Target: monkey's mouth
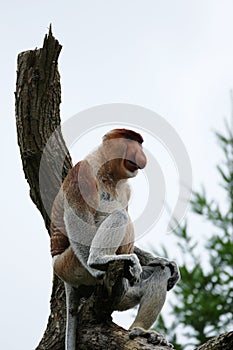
pixel 131 166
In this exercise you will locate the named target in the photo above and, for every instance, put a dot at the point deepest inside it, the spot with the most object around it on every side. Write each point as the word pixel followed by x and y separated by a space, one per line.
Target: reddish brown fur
pixel 81 175
pixel 123 133
pixel 59 240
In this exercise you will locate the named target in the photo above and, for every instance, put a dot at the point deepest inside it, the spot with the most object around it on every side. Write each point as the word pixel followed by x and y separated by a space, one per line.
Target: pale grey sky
pixel 173 57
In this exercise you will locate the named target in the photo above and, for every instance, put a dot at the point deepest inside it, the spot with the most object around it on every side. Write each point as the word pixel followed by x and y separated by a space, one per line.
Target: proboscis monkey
pixel 90 227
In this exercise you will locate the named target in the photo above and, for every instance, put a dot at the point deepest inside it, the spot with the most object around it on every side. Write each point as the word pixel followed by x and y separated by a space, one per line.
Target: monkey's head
pixel 124 152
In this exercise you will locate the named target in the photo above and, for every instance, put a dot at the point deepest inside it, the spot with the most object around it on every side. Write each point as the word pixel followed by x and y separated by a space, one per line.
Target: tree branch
pixel 223 342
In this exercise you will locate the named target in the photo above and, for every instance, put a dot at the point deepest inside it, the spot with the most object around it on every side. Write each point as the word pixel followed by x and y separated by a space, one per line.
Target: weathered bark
pixel 223 342
pixel 38 97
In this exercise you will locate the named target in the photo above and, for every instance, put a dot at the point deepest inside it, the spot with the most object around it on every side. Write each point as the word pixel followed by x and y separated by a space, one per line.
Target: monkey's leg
pixel 68 267
pixel 150 294
pixel 72 301
pixel 154 290
pixel 108 238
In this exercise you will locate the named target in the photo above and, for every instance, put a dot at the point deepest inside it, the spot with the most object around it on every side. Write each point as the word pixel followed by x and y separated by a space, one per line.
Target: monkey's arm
pixel 147 259
pixel 108 238
pixel 144 257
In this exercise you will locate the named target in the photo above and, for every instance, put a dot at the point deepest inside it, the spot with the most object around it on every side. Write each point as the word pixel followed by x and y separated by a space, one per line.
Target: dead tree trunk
pixel 38 97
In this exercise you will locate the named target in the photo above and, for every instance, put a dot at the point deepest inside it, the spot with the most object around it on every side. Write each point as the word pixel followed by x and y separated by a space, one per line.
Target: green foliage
pixel 204 297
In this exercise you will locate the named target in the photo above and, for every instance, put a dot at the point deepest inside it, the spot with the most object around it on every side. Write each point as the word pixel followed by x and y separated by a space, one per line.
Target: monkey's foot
pixel 163 262
pixel 159 261
pixel 151 336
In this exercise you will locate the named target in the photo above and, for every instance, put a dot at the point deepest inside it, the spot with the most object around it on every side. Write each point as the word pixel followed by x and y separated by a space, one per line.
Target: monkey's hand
pixel 132 269
pixel 175 273
pixel 152 336
pixel 99 275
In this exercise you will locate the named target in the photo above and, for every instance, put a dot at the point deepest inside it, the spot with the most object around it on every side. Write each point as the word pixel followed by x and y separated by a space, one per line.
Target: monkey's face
pixel 134 158
pixel 125 155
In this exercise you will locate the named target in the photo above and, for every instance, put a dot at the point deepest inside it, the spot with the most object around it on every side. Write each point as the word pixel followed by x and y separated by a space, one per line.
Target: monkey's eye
pixel 131 140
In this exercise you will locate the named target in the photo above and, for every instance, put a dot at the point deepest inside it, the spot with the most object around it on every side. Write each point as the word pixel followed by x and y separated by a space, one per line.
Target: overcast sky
pixel 173 57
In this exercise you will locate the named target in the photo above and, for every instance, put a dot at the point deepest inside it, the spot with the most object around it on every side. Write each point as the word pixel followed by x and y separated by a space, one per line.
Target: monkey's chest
pixel 107 204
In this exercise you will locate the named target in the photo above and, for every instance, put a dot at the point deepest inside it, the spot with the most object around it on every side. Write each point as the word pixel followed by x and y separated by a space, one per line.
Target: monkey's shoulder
pixel 80 186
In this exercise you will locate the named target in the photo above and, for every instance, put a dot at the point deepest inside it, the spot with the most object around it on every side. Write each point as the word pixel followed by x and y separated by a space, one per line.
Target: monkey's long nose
pixel 140 160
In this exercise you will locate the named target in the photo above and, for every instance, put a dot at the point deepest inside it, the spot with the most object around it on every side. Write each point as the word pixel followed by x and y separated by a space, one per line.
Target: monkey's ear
pixel 80 187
